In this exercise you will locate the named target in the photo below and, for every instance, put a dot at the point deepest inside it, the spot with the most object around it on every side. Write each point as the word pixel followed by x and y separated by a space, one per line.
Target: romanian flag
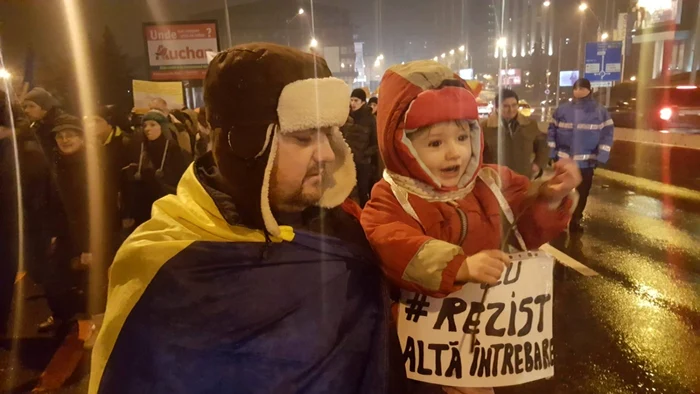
pixel 199 306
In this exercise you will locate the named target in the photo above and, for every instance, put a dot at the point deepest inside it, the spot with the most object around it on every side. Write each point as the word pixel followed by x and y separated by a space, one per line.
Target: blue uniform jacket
pixel 581 130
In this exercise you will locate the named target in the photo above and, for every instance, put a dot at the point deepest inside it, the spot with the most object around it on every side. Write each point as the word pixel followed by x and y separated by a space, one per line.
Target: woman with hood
pixel 435 219
pixel 155 167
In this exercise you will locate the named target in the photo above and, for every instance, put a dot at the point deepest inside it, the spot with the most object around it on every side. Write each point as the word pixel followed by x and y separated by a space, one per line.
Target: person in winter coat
pixel 203 142
pixel 435 218
pixel 256 275
pixel 362 116
pixel 583 131
pixel 111 128
pixel 42 109
pixel 34 183
pixel 358 139
pixel 72 248
pixel 512 140
pixel 373 103
pixel 155 166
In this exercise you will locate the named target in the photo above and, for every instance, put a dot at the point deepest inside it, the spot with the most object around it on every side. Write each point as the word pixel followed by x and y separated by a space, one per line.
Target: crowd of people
pixel 137 157
pixel 262 266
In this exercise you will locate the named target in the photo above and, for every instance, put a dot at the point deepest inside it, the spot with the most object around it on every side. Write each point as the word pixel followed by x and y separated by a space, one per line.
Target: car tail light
pixel 666 113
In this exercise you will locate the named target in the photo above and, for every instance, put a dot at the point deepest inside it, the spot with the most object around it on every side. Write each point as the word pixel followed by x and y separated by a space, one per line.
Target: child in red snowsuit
pixel 439 216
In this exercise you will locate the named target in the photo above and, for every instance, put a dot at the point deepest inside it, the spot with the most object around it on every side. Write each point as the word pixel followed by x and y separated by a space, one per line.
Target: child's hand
pixel 483 267
pixel 567 177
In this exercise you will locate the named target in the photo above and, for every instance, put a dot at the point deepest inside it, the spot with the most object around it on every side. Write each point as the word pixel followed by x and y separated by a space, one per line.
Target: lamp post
pixel 299 13
pixel 582 8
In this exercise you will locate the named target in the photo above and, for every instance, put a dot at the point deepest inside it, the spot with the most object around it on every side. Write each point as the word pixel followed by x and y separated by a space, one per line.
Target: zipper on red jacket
pixel 463 221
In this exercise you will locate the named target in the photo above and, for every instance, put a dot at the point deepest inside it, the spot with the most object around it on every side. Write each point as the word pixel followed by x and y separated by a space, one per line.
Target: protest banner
pixel 483 336
pixel 145 91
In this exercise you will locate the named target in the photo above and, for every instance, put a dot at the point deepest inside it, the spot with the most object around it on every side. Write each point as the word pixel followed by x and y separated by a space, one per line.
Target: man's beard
pixel 300 199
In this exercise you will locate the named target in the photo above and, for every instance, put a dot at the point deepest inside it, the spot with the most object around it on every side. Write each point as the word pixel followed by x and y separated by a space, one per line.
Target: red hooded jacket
pixel 422 231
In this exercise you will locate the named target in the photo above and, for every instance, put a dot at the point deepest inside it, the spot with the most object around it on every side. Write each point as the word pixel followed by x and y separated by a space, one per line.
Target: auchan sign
pixel 178 51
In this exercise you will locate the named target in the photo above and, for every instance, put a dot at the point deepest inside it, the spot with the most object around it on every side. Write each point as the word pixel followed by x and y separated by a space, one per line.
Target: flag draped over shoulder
pixel 194 308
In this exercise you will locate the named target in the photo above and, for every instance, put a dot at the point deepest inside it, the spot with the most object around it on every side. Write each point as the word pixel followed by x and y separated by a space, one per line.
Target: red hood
pixel 410 99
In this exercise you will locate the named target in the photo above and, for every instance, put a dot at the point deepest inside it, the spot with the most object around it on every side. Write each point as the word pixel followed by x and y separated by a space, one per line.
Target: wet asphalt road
pixel 635 328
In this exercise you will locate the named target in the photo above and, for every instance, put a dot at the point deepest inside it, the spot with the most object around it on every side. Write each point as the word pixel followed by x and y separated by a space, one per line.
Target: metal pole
pixel 580 44
pixel 228 23
pixel 607 96
pixel 558 71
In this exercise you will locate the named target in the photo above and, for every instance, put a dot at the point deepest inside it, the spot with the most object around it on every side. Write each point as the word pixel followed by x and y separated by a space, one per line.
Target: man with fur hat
pixel 256 277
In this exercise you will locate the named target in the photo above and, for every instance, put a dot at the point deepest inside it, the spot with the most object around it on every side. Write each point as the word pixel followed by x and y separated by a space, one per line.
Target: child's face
pixel 445 148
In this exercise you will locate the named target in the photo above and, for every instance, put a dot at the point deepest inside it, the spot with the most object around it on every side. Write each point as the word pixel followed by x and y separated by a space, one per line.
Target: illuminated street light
pixel 435 58
pixel 547 3
pixel 342 65
pixel 301 11
pixel 604 36
pixel 583 7
pixel 443 55
pixel 452 51
pixel 462 48
pixel 314 43
pixel 377 63
pixel 4 74
pixel 381 56
pixel 633 78
pixel 501 42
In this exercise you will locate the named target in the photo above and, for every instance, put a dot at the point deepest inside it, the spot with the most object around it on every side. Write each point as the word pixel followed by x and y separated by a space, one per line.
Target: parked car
pixel 663 108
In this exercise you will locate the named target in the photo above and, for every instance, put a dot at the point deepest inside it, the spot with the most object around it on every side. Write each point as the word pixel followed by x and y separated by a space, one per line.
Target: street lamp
pixel 301 11
pixel 547 3
pixel 633 78
pixel 377 63
pixel 314 43
pixel 452 52
pixel 583 7
pixel 462 48
pixel 443 55
pixel 501 42
pixel 381 56
pixel 435 58
pixel 4 74
pixel 604 36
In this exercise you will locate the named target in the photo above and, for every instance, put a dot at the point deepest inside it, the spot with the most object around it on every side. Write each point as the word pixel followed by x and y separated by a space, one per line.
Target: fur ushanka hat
pixel 253 92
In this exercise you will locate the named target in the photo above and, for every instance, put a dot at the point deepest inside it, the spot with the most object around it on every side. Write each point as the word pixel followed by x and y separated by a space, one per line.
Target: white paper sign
pixel 508 325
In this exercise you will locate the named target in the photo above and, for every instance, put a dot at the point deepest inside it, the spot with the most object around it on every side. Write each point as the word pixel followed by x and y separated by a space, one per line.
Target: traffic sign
pixel 603 62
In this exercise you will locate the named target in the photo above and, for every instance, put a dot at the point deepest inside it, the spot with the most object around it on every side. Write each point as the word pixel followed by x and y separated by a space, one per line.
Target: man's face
pixel 159 105
pixel 69 141
pixel 446 149
pixel 301 164
pixel 509 108
pixel 99 126
pixel 33 110
pixel 356 103
pixel 580 93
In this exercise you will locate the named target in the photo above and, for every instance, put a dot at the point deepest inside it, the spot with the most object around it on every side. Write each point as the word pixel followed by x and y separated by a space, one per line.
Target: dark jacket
pixel 36 187
pixel 72 218
pixel 363 117
pixel 521 144
pixel 144 182
pixel 358 138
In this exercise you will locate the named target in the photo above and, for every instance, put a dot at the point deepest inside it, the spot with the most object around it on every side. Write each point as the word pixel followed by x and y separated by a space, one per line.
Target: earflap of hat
pixel 271 224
